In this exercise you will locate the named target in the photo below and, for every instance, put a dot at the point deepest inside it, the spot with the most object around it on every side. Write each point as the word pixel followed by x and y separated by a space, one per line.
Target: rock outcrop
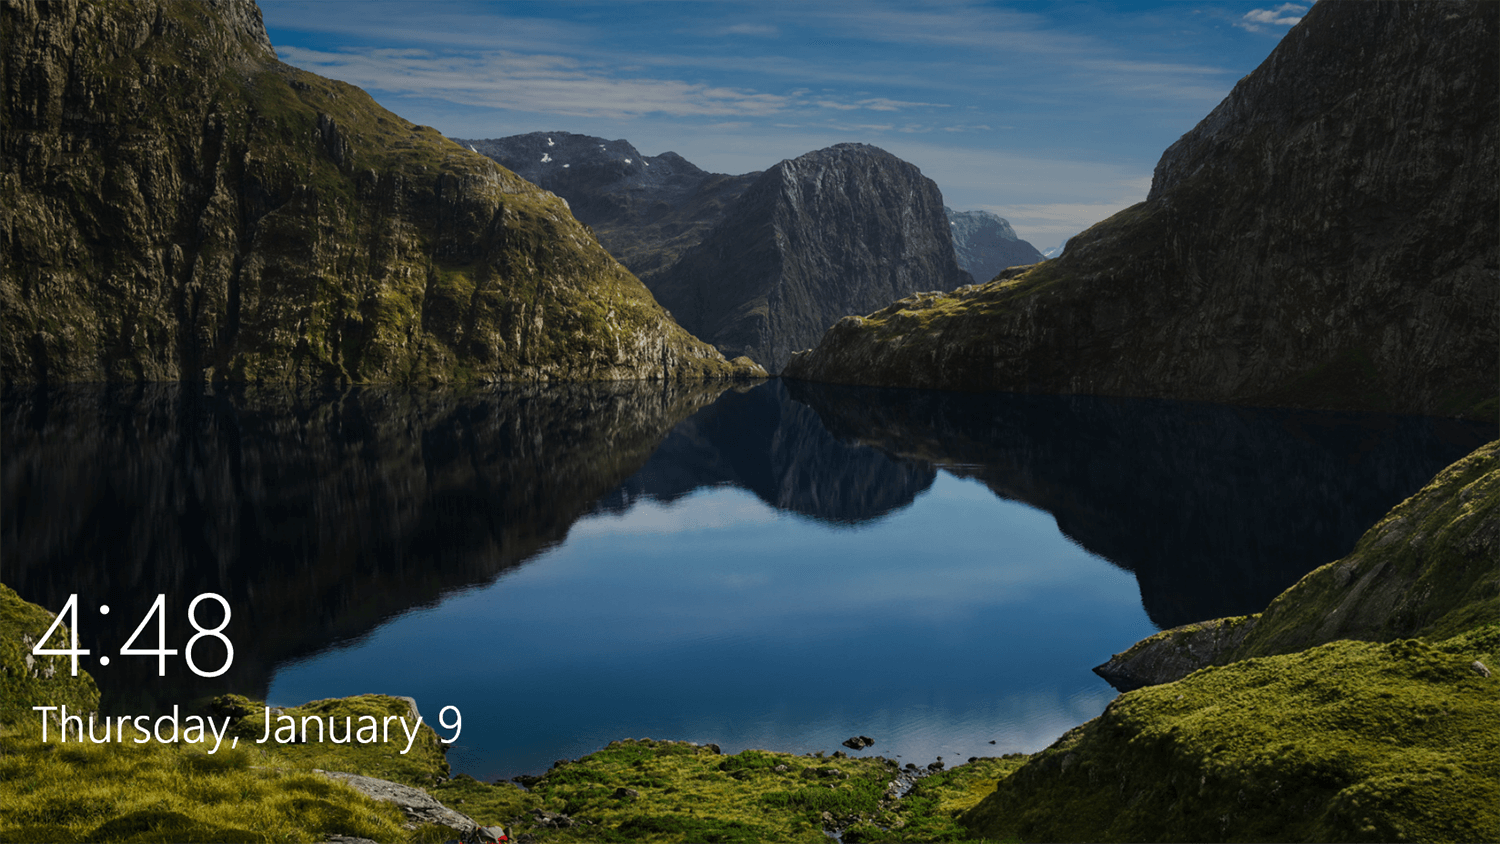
pixel 986 244
pixel 1291 729
pixel 1430 568
pixel 1325 238
pixel 833 232
pixel 176 204
pixel 419 807
pixel 646 210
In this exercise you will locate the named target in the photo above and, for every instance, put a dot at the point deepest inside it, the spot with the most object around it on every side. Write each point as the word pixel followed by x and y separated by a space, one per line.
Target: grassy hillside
pixel 178 204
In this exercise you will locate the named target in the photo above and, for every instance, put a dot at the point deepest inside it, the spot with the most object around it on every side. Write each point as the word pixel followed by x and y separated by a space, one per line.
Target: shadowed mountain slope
pixel 1325 238
pixel 986 244
pixel 833 232
pixel 646 210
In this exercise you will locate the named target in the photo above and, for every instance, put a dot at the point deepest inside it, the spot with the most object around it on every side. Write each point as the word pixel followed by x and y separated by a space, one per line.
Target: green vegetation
pixel 1428 568
pixel 178 791
pixel 1296 732
pixel 222 215
pixel 27 680
pixel 1350 741
pixel 173 792
pixel 644 790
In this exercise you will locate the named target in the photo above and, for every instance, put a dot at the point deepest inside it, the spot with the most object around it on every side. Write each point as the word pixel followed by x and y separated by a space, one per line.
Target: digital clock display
pixel 158 611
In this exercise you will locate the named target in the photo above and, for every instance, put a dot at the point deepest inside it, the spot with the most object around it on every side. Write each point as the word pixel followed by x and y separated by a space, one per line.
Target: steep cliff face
pixel 986 244
pixel 646 210
pixel 836 231
pixel 177 204
pixel 1325 238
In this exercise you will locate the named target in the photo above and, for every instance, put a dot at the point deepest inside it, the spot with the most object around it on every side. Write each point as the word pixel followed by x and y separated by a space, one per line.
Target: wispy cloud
pixel 874 104
pixel 561 85
pixel 1007 31
pixel 750 29
pixel 536 83
pixel 1257 20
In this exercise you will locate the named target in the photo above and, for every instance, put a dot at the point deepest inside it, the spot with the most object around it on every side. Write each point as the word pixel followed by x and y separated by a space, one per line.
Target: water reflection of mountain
pixel 321 515
pixel 1215 509
pixel 317 515
pixel 762 441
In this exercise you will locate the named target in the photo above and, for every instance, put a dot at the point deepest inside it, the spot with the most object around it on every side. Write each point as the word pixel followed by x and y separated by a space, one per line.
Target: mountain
pixel 645 209
pixel 1325 238
pixel 179 205
pixel 833 232
pixel 986 244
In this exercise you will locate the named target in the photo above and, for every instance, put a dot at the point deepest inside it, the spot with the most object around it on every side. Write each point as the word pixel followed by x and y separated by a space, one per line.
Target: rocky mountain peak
pixel 644 209
pixel 986 243
pixel 833 232
pixel 243 19
pixel 965 222
pixel 555 160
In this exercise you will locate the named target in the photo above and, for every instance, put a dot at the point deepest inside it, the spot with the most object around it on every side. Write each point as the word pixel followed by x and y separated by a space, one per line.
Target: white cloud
pixel 874 104
pixel 1287 14
pixel 750 29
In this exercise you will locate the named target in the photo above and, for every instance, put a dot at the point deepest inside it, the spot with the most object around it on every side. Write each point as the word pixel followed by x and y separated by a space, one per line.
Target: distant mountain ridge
pixel 750 268
pixel 986 244
pixel 646 210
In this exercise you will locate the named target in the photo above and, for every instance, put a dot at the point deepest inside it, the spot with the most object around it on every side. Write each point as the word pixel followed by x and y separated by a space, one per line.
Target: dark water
pixel 778 567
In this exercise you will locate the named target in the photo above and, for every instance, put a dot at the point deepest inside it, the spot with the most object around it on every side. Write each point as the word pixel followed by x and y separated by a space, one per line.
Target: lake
pixel 780 566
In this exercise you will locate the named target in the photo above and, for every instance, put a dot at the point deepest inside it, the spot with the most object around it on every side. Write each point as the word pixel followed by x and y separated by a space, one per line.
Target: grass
pixel 1350 741
pixel 173 792
pixel 683 792
pixel 1299 731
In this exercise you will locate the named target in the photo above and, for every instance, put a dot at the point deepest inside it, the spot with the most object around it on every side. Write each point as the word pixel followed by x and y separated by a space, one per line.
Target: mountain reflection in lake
pixel 779 567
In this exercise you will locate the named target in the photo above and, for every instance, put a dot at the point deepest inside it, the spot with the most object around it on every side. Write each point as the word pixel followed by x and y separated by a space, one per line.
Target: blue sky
pixel 1051 115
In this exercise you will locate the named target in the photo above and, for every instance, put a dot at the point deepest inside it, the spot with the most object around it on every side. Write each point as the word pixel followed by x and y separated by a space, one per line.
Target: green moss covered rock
pixel 179 205
pixel 1350 741
pixel 27 680
pixel 1430 568
pixel 1284 726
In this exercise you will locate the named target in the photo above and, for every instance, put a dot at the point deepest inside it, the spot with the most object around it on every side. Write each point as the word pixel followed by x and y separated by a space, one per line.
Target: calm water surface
pixel 780 567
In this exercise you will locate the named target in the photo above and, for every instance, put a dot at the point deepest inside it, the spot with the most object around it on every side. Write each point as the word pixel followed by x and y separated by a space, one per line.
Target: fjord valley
pixel 1238 435
pixel 1324 238
pixel 180 205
